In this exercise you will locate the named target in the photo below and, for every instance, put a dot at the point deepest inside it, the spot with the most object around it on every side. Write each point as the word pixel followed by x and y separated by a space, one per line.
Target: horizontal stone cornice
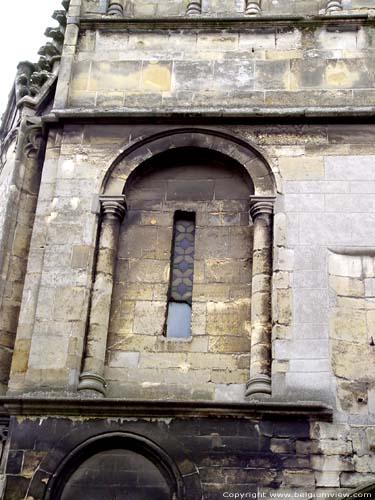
pixel 337 21
pixel 303 113
pixel 75 407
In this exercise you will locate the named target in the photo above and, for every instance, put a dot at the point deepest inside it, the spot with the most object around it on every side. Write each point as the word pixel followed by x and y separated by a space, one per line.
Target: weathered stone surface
pixel 322 290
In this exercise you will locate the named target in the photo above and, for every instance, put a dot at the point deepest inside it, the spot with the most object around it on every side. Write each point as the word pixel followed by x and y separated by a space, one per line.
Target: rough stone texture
pixel 240 455
pixel 323 274
pixel 215 69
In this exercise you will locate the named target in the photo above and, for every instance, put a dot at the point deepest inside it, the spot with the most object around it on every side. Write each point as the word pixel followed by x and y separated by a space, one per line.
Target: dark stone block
pixel 38 485
pixel 195 190
pixel 15 460
pixel 218 426
pixel 16 487
pixel 216 491
pixel 266 428
pixel 249 444
pixel 185 427
pixel 295 429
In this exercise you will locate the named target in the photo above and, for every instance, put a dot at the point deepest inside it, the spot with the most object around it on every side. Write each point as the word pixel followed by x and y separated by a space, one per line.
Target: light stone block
pixel 309 365
pixel 49 353
pixel 311 306
pixel 304 203
pixel 352 168
pixel 119 359
pixel 310 257
pixel 329 229
pixel 345 265
pixel 363 229
pixel 230 392
pixel 300 349
pixel 301 168
pixel 310 331
pixel 309 279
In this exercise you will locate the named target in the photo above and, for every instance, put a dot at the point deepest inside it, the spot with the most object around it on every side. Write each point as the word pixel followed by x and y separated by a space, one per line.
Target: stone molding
pixel 341 20
pixel 18 406
pixel 218 140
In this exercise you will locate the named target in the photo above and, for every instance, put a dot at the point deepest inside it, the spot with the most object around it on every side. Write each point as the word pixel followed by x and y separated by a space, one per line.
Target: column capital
pixel 261 205
pixel 33 137
pixel 113 207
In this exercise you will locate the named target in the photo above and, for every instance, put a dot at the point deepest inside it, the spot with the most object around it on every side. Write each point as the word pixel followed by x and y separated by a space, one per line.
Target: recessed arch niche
pixel 114 466
pixel 216 189
pixel 125 349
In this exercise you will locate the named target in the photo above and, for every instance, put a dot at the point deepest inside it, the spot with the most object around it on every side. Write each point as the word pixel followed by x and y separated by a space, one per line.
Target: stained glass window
pixel 182 270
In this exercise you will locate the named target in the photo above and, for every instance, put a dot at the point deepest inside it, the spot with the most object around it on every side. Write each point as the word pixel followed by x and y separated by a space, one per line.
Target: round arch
pixel 130 157
pixel 120 441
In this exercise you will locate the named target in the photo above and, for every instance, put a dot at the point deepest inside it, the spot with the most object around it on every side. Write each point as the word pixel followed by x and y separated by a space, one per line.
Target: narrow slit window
pixel 182 272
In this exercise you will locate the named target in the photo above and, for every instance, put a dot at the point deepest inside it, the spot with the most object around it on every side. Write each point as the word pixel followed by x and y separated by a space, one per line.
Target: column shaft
pixel 261 311
pixel 113 209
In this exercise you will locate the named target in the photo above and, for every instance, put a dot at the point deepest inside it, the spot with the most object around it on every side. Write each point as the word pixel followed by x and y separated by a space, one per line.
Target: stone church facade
pixel 187 253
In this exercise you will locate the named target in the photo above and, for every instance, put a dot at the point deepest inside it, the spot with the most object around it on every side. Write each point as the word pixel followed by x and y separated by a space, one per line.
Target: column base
pixel 194 8
pixel 253 9
pixel 92 384
pixel 258 385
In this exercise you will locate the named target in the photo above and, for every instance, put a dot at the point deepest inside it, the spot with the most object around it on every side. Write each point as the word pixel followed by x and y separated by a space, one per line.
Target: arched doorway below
pixel 117 466
pixel 117 475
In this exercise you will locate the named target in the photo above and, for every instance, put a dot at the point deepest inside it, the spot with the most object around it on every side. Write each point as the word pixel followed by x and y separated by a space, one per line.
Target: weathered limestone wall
pixel 52 321
pixel 323 171
pixel 19 181
pixel 8 197
pixel 227 69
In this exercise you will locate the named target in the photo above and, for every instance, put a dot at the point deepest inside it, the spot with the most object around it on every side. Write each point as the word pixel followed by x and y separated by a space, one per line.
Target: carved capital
pixel 33 138
pixel 260 205
pixel 333 6
pixel 253 7
pixel 194 7
pixel 113 207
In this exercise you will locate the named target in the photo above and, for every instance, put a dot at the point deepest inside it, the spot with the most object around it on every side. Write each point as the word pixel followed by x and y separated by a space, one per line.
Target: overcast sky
pixel 22 26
